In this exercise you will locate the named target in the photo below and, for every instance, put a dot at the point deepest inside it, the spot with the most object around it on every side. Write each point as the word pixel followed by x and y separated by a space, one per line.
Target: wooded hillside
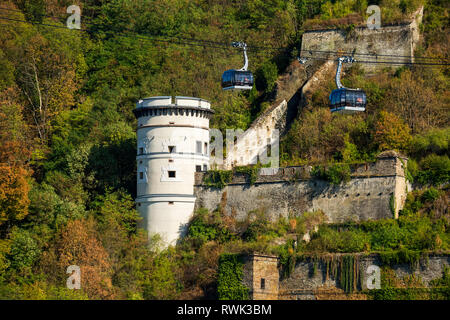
pixel 68 142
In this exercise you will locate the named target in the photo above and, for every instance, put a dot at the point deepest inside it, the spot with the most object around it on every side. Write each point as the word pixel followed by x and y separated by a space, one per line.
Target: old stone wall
pixel 283 108
pixel 397 40
pixel 261 277
pixel 251 143
pixel 309 278
pixel 368 195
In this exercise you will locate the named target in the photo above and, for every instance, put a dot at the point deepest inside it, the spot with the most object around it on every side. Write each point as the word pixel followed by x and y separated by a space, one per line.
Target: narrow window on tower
pixel 198 168
pixel 205 149
pixel 172 174
pixel 141 175
pixel 172 149
pixel 141 150
pixel 269 148
pixel 263 283
pixel 199 147
pixel 205 167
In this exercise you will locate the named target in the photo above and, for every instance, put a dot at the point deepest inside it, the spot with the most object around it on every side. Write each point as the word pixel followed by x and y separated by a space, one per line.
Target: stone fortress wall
pixel 299 80
pixel 310 280
pixel 395 40
pixel 371 192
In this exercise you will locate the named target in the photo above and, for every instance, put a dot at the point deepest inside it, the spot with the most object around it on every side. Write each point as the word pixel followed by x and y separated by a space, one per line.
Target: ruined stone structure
pixel 376 190
pixel 399 40
pixel 310 280
pixel 278 116
pixel 300 80
pixel 261 276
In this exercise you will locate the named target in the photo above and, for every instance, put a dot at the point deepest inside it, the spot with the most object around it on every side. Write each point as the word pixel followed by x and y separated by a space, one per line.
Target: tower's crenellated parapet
pixel 172 144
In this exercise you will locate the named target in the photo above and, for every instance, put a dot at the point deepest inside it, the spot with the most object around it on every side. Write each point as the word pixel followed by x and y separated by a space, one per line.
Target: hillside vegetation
pixel 68 142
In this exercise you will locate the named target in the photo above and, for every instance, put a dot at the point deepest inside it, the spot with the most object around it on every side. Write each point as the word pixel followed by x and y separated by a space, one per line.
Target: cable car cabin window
pixel 350 99
pixel 232 78
pixel 227 78
pixel 243 78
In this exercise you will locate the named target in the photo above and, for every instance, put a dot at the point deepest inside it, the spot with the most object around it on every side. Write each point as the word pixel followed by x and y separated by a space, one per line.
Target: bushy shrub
pixel 266 76
pixel 218 178
pixel 430 195
pixel 24 249
pixel 434 141
pixel 335 174
pixel 207 226
pixel 328 239
pixel 229 281
pixel 434 170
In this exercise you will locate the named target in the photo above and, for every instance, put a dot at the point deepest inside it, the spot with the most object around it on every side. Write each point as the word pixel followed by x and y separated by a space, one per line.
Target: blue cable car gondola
pixel 238 79
pixel 346 100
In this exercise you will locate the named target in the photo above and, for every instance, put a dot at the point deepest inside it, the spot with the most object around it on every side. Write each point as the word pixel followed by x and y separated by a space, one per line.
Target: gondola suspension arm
pixel 242 45
pixel 339 70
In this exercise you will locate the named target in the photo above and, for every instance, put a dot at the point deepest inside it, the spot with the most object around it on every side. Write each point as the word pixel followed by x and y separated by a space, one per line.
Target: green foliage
pixel 391 293
pixel 162 283
pixel 288 258
pixel 230 275
pixel 347 277
pixel 5 248
pixel 200 229
pixel 393 288
pixel 444 281
pixel 328 239
pixel 392 204
pixel 411 170
pixel 266 76
pixel 428 203
pixel 391 132
pixel 48 209
pixel 260 228
pixel 402 256
pixel 405 236
pixel 24 249
pixel 434 141
pixel 218 178
pixel 435 170
pixel 335 174
pixel 6 72
pixel 319 137
pixel 116 208
pixel 430 195
pixel 250 171
pixel 206 227
pixel 84 145
pixel 39 290
pixel 34 9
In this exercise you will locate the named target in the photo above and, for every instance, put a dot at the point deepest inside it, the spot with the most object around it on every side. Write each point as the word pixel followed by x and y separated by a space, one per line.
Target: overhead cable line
pixel 226 44
pixel 221 45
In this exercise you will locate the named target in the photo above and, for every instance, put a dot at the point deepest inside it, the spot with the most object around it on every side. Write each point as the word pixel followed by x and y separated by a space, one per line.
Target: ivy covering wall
pixel 230 276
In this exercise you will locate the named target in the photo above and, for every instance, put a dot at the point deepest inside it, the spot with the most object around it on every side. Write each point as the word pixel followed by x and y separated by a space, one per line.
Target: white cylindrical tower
pixel 172 144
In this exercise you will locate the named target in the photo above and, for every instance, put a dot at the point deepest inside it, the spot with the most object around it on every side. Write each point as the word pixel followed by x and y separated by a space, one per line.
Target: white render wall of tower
pixel 172 144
